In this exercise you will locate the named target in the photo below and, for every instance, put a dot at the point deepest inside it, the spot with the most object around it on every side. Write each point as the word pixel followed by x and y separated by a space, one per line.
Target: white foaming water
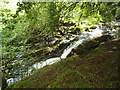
pixel 81 38
pixel 47 62
pixel 13 80
pixel 69 48
pixel 84 36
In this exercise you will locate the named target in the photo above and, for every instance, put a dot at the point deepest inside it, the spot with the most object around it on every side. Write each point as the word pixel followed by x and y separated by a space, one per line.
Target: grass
pixel 99 69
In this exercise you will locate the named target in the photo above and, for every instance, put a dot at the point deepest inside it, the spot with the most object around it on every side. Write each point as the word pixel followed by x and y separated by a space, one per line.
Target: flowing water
pixel 79 39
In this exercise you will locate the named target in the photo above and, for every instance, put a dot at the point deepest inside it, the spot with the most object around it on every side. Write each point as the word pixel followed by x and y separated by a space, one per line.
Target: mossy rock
pixel 40 51
pixel 76 30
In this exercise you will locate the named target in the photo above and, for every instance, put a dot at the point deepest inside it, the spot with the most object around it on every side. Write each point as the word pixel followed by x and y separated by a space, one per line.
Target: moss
pixel 98 69
pixel 77 30
pixel 93 51
pixel 9 87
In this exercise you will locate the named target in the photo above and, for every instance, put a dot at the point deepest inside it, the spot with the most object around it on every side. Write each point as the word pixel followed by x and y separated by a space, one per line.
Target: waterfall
pixel 70 47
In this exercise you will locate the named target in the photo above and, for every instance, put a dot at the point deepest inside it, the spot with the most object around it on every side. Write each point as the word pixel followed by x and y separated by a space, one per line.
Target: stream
pixel 79 39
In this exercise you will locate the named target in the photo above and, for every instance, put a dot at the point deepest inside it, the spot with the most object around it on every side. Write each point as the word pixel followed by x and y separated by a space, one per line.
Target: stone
pixel 87 29
pixel 93 27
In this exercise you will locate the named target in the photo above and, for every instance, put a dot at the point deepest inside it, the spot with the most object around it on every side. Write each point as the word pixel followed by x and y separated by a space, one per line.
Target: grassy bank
pixel 98 69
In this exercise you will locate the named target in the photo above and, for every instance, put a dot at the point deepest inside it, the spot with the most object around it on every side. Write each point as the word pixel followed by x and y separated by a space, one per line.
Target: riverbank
pixel 97 69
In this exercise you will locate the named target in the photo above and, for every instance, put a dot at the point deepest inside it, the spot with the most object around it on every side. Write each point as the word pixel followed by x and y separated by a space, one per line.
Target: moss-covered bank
pixel 98 69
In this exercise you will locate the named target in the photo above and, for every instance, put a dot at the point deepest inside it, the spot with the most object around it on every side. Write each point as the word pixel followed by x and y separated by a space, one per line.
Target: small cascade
pixel 43 63
pixel 69 48
pixel 85 36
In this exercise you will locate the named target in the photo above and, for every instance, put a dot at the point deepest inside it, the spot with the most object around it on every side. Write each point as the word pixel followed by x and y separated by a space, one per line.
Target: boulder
pixel 86 47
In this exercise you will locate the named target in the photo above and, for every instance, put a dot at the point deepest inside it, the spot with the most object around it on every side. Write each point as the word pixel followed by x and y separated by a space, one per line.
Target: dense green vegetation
pixel 27 36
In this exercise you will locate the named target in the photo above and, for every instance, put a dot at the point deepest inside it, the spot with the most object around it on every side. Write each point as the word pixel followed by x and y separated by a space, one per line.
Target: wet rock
pixel 93 27
pixel 102 21
pixel 58 36
pixel 68 24
pixel 106 33
pixel 64 45
pixel 72 32
pixel 87 29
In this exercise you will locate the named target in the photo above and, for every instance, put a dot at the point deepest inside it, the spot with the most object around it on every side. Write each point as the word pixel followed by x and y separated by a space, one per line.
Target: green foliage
pixel 109 10
pixel 43 19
